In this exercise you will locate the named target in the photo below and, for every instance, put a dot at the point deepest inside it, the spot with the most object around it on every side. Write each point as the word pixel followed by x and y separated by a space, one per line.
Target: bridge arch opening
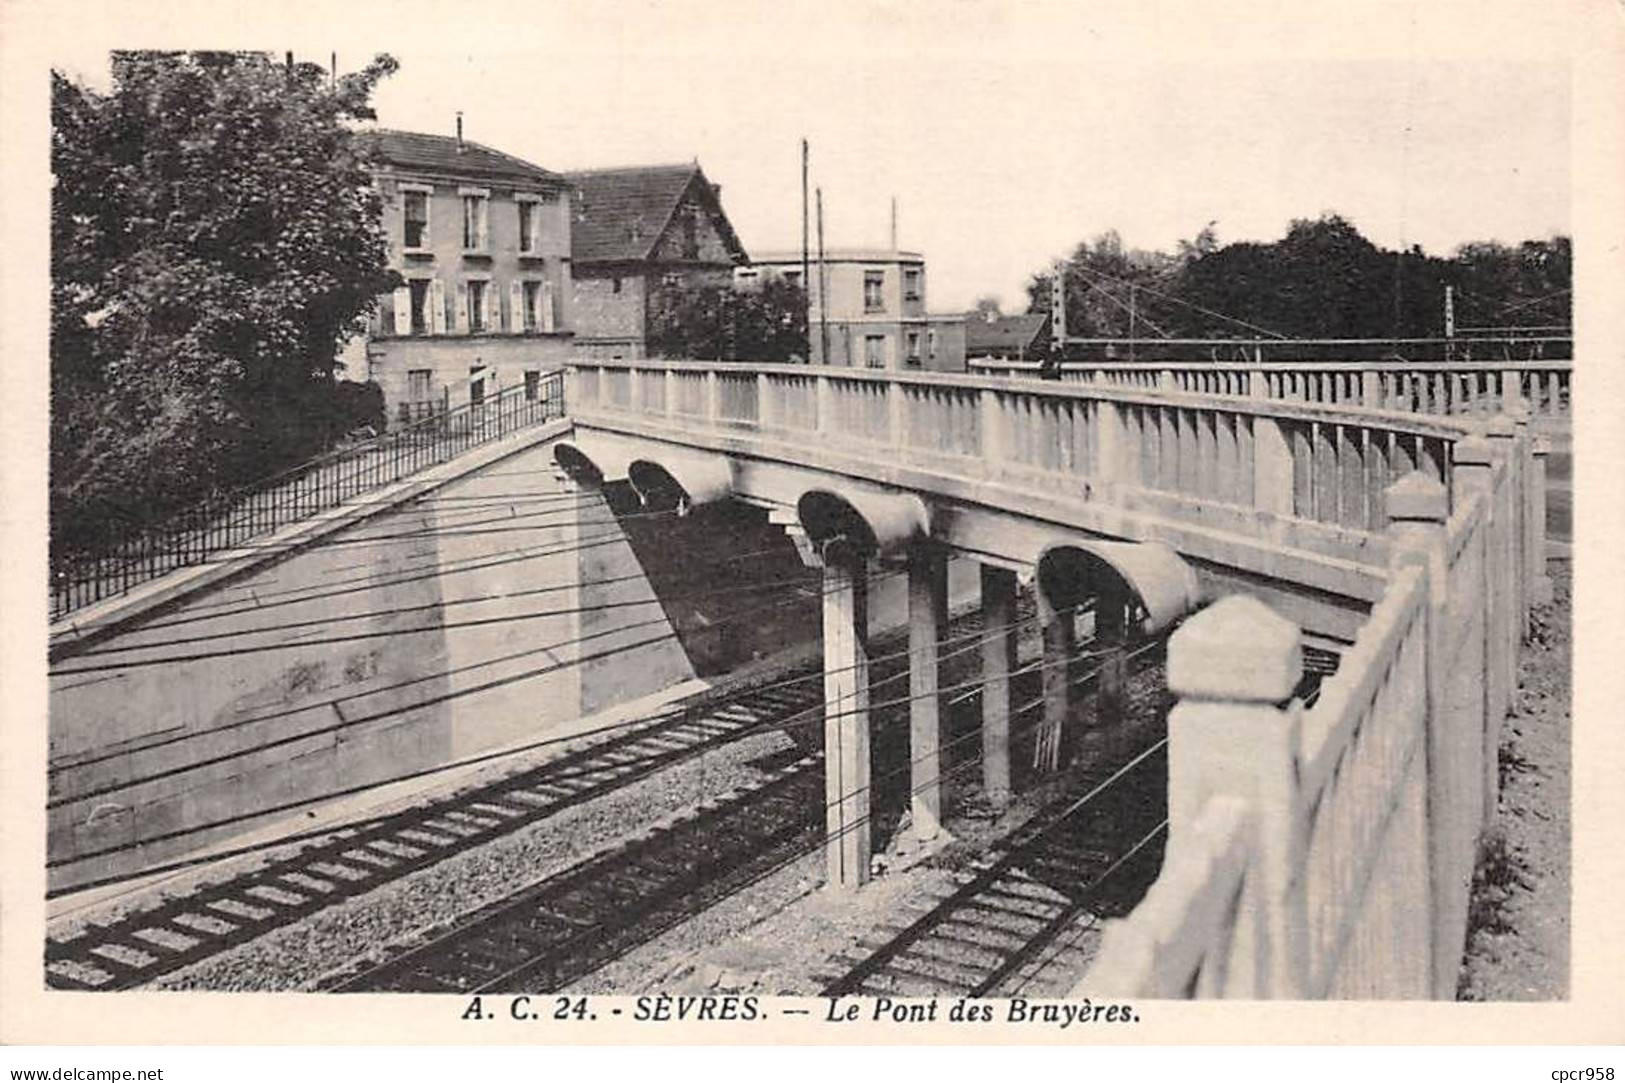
pixel 680 482
pixel 849 526
pixel 1138 587
pixel 578 466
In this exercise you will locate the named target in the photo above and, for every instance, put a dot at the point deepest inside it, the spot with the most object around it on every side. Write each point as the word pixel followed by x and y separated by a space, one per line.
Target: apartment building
pixel 875 315
pixel 483 241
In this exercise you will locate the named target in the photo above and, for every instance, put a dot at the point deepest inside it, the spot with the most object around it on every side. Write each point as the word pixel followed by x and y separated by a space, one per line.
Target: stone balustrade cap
pixel 1416 497
pixel 1472 450
pixel 1237 649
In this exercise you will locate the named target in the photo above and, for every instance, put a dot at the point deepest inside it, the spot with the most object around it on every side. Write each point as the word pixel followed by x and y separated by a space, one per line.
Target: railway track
pixel 1011 913
pixel 1016 916
pixel 212 918
pixel 568 925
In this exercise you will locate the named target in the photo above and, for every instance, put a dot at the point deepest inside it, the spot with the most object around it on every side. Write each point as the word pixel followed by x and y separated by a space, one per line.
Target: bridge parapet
pixel 1171 454
pixel 1459 388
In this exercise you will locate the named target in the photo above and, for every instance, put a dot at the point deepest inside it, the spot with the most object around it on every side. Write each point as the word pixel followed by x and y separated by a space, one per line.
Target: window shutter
pixel 493 307
pixel 437 317
pixel 462 308
pixel 548 315
pixel 516 307
pixel 403 311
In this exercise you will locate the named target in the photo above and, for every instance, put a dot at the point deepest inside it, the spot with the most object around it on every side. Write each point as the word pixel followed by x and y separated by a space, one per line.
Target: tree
pixel 216 238
pixel 766 323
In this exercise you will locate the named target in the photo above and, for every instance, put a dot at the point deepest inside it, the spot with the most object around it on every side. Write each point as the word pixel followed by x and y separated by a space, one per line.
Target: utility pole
pixel 1131 322
pixel 1057 310
pixel 806 270
pixel 1449 322
pixel 823 287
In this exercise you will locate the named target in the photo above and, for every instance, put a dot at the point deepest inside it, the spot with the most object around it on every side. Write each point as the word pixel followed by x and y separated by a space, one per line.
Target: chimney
pixel 459 131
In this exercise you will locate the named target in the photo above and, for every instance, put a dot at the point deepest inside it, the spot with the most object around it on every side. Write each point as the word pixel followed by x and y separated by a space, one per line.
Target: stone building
pixel 483 241
pixel 876 315
pixel 638 233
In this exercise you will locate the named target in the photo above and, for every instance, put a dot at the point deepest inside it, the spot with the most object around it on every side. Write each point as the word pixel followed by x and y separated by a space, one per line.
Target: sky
pixel 1008 132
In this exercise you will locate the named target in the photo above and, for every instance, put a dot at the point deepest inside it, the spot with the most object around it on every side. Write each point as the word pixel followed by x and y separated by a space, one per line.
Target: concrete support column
pixel 1272 467
pixel 1507 436
pixel 846 725
pixel 998 659
pixel 1060 644
pixel 927 620
pixel 1540 582
pixel 1111 635
pixel 1472 474
pixel 1417 509
pixel 1371 390
pixel 1232 666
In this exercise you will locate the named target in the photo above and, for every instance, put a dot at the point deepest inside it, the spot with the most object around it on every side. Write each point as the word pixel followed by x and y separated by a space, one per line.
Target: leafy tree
pixel 215 239
pixel 766 323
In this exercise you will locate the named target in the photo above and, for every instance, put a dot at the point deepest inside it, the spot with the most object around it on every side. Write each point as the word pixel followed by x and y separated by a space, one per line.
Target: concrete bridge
pixel 1138 495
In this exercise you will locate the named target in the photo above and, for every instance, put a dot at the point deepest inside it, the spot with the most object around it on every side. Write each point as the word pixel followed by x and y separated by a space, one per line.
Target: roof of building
pixel 983 335
pixel 841 255
pixel 446 154
pixel 621 213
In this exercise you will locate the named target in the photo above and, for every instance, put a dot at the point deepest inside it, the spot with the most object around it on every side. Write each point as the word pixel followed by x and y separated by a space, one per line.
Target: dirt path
pixel 1518 938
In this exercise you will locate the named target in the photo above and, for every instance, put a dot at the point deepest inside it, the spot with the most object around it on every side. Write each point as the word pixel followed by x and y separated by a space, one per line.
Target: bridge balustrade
pixel 1145 449
pixel 1462 388
pixel 1328 852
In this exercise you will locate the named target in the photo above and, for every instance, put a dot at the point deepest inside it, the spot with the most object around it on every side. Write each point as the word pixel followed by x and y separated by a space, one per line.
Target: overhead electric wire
pixel 379 633
pixel 1180 301
pixel 346 723
pixel 437 606
pixel 334 830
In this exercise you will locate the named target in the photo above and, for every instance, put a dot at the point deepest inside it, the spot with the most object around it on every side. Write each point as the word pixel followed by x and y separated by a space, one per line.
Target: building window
pixel 420 305
pixel 931 344
pixel 476 306
pixel 533 305
pixel 913 357
pixel 416 236
pixel 475 232
pixel 874 351
pixel 874 291
pixel 417 386
pixel 533 385
pixel 911 284
pixel 529 221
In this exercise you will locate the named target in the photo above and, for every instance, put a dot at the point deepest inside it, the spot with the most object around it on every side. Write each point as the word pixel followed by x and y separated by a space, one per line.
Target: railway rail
pixel 1021 910
pixel 213 918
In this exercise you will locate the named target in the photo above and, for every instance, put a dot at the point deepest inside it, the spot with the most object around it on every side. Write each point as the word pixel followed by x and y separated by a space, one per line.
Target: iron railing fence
pixel 132 553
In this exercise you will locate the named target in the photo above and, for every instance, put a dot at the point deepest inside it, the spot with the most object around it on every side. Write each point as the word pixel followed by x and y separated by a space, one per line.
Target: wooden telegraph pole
pixel 806 270
pixel 823 287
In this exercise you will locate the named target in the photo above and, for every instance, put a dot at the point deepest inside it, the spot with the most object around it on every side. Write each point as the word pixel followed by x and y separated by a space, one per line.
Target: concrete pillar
pixel 1371 389
pixel 998 659
pixel 1507 436
pixel 1272 467
pixel 1232 666
pixel 1472 473
pixel 1060 644
pixel 1541 583
pixel 1417 508
pixel 1111 639
pixel 846 725
pixel 927 620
